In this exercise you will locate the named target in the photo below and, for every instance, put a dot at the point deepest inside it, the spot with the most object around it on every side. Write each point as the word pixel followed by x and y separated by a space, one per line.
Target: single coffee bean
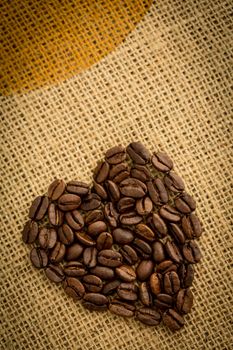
pixel 129 254
pixel 121 308
pixel 191 252
pixel 157 191
pixel 171 282
pixel 156 283
pixel 163 301
pixel 69 202
pixel 101 172
pixel 148 316
pixel 56 189
pixel 65 234
pixel 75 269
pixel 140 172
pixel 126 273
pixel 93 307
pixel 96 299
pixel 145 232
pixel 159 254
pixel 38 258
pixel 173 320
pixel 58 253
pixel 75 220
pixel 173 252
pixel 109 258
pixel 119 172
pixel 111 287
pixel 169 213
pixel 113 191
pixel 185 203
pixel 127 291
pixel 186 274
pixel 191 226
pixel 143 248
pixel 144 269
pixel 105 273
pixel 111 215
pixel 159 225
pixel 122 235
pixel 100 190
pixel 131 218
pixel 131 187
pixel 55 215
pixel 144 294
pixel 174 182
pixel 84 239
pixel 166 266
pixel 93 216
pixel 126 204
pixel 144 206
pixel 47 238
pixel 74 251
pixel 92 283
pixel 162 162
pixel 104 241
pixel 96 228
pixel 138 153
pixel 77 187
pixel 55 273
pixel 115 155
pixel 90 202
pixel 39 208
pixel 74 288
pixel 184 301
pixel 90 257
pixel 30 232
pixel 176 233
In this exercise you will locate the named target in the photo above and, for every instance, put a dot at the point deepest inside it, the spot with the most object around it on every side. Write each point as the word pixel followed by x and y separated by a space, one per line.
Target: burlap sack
pixel 168 85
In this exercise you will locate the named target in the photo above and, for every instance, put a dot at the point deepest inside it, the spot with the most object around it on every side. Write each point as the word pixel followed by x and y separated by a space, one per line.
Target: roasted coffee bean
pixel 186 274
pixel 47 238
pixel 173 320
pixel 90 202
pixel 75 269
pixel 173 252
pixel 174 182
pixel 55 273
pixel 119 172
pixel 75 220
pixel 113 191
pixel 121 308
pixel 101 172
pixel 56 189
pixel 77 187
pixel 96 228
pixel 191 252
pixel 30 232
pixel 115 155
pixel 144 269
pixel 145 232
pixel 105 273
pixel 144 206
pixel 184 301
pixel 74 251
pixel 166 266
pixel 126 273
pixel 69 202
pixel 84 239
pixel 163 301
pixel 93 216
pixel 148 316
pixel 104 241
pixel 111 215
pixel 157 191
pixel 74 288
pixel 111 287
pixel 126 204
pixel 171 282
pixel 131 187
pixel 176 233
pixel 90 257
pixel 191 226
pixel 158 225
pixel 185 203
pixel 129 254
pixel 138 153
pixel 58 253
pixel 39 258
pixel 169 213
pixel 142 247
pixel 92 283
pixel 55 215
pixel 93 307
pixel 156 283
pixel 66 234
pixel 95 301
pixel 162 162
pixel 131 218
pixel 39 208
pixel 100 190
pixel 159 254
pixel 122 235
pixel 128 291
pixel 140 172
pixel 109 258
pixel 144 294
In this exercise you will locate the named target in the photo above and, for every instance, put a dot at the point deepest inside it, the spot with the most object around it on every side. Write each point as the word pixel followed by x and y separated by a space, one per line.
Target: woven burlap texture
pixel 168 85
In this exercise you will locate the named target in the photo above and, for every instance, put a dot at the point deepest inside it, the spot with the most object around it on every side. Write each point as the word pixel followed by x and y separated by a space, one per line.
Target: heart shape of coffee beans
pixel 126 243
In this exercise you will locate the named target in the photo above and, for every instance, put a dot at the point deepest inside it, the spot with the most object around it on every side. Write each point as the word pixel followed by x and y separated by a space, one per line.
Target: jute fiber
pixel 169 85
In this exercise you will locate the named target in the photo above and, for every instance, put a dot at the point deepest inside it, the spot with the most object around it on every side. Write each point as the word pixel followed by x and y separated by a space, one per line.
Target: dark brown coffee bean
pixel 65 234
pixel 156 283
pixel 90 202
pixel 109 258
pixel 111 215
pixel 74 252
pixel 127 291
pixel 144 294
pixel 55 215
pixel 56 189
pixel 163 301
pixel 174 182
pixel 158 225
pixel 105 273
pixel 84 239
pixel 173 252
pixel 77 187
pixel 140 172
pixel 176 233
pixel 75 269
pixel 58 253
pixel 191 252
pixel 145 232
pixel 138 153
pixel 74 288
pixel 93 216
pixel 96 298
pixel 122 235
pixel 126 273
pixel 157 191
pixel 184 301
pixel 185 203
pixel 119 172
pixel 30 232
pixel 69 202
pixel 131 218
pixel 92 283
pixel 75 220
pixel 100 190
pixel 121 308
pixel 96 228
pixel 166 266
pixel 126 204
pixel 162 162
pixel 101 172
pixel 159 254
pixel 191 226
pixel 131 187
pixel 39 258
pixel 47 238
pixel 186 274
pixel 90 257
pixel 169 213
pixel 39 208
pixel 113 191
pixel 148 316
pixel 171 282
pixel 173 320
pixel 115 155
pixel 93 307
pixel 104 241
pixel 142 247
pixel 144 206
pixel 129 254
pixel 55 273
pixel 144 269
pixel 111 287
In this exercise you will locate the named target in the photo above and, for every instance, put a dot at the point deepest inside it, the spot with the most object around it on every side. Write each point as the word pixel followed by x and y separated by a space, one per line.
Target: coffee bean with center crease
pixel 144 206
pixel 174 182
pixel 191 252
pixel 158 252
pixel 138 153
pixel 39 258
pixel 143 248
pixel 75 269
pixel 131 218
pixel 127 291
pixel 95 301
pixel 47 238
pixel 55 273
pixel 129 254
pixel 104 241
pixel 111 287
pixel 105 273
pixel 126 204
pixel 93 216
pixel 185 203
pixel 77 187
pixel 122 235
pixel 145 232
pixel 90 202
pixel 55 215
pixel 84 239
pixel 58 253
pixel 157 191
pixel 56 189
pixel 100 190
pixel 66 234
pixel 111 215
pixel 119 172
pixel 121 308
pixel 140 172
pixel 126 273
pixel 90 257
pixel 186 274
pixel 115 155
pixel 96 228
pixel 156 283
pixel 148 316
pixel 173 252
pixel 101 172
pixel 74 288
pixel 158 225
pixel 144 269
pixel 177 233
pixel 113 190
pixel 73 252
pixel 161 161
pixel 109 258
pixel 163 301
pixel 39 208
pixel 171 282
pixel 169 213
pixel 92 283
pixel 144 294
pixel 69 202
pixel 184 301
pixel 173 320
pixel 191 226
pixel 131 187
pixel 166 266
pixel 75 220
pixel 30 232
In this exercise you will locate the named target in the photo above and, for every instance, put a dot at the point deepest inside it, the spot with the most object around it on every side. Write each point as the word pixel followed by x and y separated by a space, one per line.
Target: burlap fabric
pixel 168 85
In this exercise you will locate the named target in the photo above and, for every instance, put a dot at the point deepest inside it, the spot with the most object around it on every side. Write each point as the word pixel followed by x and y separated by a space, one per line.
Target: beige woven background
pixel 168 85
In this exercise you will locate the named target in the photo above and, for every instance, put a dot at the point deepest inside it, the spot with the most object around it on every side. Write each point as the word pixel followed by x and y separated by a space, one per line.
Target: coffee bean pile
pixel 126 243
